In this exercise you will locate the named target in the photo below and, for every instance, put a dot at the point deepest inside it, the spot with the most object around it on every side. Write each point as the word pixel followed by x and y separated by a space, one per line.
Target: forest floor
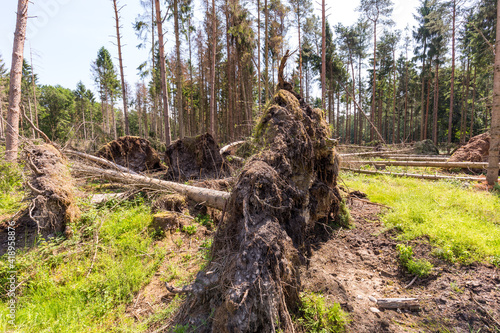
pixel 117 282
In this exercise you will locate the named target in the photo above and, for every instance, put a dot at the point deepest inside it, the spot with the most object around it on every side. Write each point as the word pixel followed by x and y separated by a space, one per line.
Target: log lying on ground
pixel 100 161
pixel 398 303
pixel 416 158
pixel 376 153
pixel 211 198
pixel 230 146
pixel 413 175
pixel 427 164
pixel 252 283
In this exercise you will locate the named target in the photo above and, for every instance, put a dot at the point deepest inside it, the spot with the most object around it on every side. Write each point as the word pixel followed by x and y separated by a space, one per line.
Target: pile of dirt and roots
pixel 283 193
pixel 132 152
pixel 476 150
pixel 425 147
pixel 53 206
pixel 195 158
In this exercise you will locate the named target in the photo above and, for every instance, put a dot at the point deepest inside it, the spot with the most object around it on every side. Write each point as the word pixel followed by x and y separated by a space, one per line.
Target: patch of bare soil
pixel 132 152
pixel 476 150
pixel 195 158
pixel 355 266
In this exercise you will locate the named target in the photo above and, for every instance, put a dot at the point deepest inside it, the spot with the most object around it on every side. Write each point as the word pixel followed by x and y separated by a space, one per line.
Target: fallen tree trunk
pixel 410 156
pixel 398 303
pixel 413 175
pixel 427 164
pixel 99 160
pixel 375 153
pixel 231 145
pixel 211 198
pixel 416 158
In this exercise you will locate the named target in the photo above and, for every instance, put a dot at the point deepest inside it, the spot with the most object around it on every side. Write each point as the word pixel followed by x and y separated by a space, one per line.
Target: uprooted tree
pixel 252 283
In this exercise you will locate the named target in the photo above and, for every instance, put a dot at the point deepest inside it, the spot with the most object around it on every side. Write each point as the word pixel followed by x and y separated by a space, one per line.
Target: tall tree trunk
pixel 494 158
pixel 374 83
pixel 35 102
pixel 406 98
pixel 452 82
pixel 212 72
pixel 436 104
pixel 422 103
pixel 180 109
pixel 163 73
pixel 230 86
pixel 16 72
pixel 300 52
pixel 463 123
pixel 120 60
pixel 258 61
pixel 323 54
pixel 266 51
pixel 427 109
pixel 394 98
pixel 113 119
pixel 471 134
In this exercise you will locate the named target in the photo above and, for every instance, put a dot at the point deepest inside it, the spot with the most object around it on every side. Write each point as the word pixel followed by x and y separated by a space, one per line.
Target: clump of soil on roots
pixel 53 206
pixel 476 150
pixel 195 158
pixel 253 281
pixel 132 152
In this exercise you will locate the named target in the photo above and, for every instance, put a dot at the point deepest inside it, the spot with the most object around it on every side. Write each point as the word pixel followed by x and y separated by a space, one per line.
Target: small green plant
pixel 189 229
pixel 178 242
pixel 344 218
pixel 456 288
pixel 320 317
pixel 206 221
pixel 181 328
pixel 419 267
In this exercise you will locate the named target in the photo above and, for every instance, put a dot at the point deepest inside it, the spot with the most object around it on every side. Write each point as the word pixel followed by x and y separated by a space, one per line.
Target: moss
pixel 344 218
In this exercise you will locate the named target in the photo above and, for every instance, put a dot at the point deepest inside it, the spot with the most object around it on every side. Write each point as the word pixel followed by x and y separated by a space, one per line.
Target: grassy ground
pixel 462 222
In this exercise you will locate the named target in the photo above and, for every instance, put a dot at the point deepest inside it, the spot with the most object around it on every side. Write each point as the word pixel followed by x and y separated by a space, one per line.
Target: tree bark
pixel 323 54
pixel 163 73
pixel 180 109
pixel 374 83
pixel 493 160
pixel 213 130
pixel 452 81
pixel 120 60
pixel 436 104
pixel 12 140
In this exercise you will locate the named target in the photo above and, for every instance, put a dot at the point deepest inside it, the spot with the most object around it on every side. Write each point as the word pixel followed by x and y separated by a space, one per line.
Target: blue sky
pixel 65 35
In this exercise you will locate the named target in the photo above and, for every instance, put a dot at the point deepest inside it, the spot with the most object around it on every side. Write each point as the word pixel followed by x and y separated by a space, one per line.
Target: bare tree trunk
pixel 120 60
pixel 463 123
pixel 452 82
pixel 374 84
pixel 230 87
pixel 258 60
pixel 494 158
pixel 471 134
pixel 300 52
pixel 163 70
pixel 436 103
pixel 394 98
pixel 406 97
pixel 323 54
pixel 113 120
pixel 427 109
pixel 12 140
pixel 212 73
pixel 180 110
pixel 266 51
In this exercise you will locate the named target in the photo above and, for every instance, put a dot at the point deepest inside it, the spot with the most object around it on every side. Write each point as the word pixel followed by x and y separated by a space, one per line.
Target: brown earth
pixel 132 152
pixel 356 264
pixel 195 158
pixel 476 150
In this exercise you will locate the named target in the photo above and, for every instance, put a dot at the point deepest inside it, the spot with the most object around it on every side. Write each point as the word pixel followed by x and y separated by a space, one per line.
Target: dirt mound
pixel 476 150
pixel 425 147
pixel 195 158
pixel 53 206
pixel 132 152
pixel 252 283
pixel 360 265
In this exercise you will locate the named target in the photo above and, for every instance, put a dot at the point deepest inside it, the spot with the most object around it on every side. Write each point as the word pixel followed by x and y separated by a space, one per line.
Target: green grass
pixel 419 267
pixel 319 316
pixel 462 222
pixel 59 294
pixel 11 192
